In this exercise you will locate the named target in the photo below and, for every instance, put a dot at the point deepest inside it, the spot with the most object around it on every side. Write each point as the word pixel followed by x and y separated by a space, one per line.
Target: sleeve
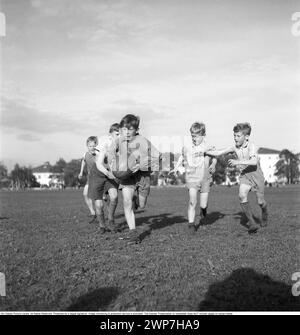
pixel 83 157
pixel 155 157
pixel 252 151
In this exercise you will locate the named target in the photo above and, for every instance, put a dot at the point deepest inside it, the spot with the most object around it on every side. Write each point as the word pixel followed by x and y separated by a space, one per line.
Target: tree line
pixel 21 177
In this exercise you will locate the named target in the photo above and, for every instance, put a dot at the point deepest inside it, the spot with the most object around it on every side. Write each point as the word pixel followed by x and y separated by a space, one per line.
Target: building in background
pixel 268 159
pixel 46 178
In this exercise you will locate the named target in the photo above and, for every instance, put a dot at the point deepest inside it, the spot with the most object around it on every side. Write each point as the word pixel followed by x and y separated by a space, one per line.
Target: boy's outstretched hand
pixel 232 162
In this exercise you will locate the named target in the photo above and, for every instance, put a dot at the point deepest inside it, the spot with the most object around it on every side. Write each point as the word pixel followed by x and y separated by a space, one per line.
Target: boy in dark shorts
pixel 134 157
pixel 251 175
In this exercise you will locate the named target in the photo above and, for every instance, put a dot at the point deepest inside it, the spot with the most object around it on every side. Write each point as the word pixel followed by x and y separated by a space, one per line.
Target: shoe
pixel 253 228
pixel 191 225
pixel 102 230
pixel 112 226
pixel 133 237
pixel 196 226
pixel 92 218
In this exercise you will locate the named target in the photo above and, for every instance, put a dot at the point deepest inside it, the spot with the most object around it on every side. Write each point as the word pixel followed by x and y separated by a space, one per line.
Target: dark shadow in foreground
pixel 247 290
pixel 96 300
pixel 211 218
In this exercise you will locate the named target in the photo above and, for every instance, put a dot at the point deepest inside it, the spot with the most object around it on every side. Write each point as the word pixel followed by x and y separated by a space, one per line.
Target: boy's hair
pixel 198 128
pixel 129 121
pixel 114 127
pixel 92 139
pixel 245 128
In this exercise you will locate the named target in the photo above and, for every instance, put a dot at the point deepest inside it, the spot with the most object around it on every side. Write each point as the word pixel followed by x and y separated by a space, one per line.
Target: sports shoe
pixel 112 226
pixel 191 225
pixel 133 237
pixel 253 228
pixel 102 230
pixel 92 218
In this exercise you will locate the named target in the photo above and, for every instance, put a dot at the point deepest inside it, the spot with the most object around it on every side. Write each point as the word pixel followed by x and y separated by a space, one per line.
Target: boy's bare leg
pixel 88 201
pixel 142 201
pixel 264 209
pixel 113 196
pixel 243 195
pixel 193 193
pixel 128 193
pixel 100 215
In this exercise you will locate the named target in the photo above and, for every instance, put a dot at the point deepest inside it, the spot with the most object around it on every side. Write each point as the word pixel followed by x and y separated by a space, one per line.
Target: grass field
pixel 53 260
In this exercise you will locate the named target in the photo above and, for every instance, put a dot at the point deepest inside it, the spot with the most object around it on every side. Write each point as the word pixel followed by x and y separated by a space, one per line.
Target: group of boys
pixel 125 161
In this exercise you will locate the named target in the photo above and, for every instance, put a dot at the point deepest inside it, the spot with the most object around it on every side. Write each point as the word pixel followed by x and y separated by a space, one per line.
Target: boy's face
pixel 115 134
pixel 91 147
pixel 240 138
pixel 196 138
pixel 128 134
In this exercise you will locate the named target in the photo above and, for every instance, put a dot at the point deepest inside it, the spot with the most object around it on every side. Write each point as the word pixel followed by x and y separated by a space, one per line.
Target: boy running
pixel 133 158
pixel 88 160
pixel 251 177
pixel 198 172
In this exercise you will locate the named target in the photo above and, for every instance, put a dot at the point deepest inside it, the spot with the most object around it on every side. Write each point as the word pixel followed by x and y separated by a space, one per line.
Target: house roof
pixel 46 168
pixel 267 151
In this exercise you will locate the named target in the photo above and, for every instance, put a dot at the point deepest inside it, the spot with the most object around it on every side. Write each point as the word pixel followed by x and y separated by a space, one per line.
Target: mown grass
pixel 53 260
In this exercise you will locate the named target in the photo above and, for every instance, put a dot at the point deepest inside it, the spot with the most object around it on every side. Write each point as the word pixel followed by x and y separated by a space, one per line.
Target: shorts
pixel 139 181
pixel 256 180
pixel 99 186
pixel 193 180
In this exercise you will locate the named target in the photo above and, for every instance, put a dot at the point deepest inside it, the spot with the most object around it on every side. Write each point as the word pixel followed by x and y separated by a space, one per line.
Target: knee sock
pixel 111 209
pixel 101 219
pixel 247 210
pixel 203 212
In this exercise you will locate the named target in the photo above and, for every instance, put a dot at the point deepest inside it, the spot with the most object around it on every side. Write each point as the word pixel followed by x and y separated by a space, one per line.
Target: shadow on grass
pixel 247 290
pixel 160 221
pixel 154 221
pixel 211 218
pixel 95 300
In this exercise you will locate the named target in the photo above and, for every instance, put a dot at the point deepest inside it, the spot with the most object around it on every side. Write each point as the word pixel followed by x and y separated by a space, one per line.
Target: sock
pixel 204 211
pixel 247 210
pixel 111 209
pixel 264 210
pixel 263 206
pixel 101 219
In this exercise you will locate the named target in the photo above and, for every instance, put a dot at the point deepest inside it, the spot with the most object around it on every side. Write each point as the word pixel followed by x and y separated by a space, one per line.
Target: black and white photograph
pixel 150 158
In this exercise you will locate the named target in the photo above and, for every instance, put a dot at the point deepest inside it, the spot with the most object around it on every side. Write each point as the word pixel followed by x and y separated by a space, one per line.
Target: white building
pixel 45 177
pixel 268 159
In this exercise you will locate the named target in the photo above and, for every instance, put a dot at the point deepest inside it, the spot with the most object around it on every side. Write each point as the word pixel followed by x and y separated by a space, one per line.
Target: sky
pixel 71 68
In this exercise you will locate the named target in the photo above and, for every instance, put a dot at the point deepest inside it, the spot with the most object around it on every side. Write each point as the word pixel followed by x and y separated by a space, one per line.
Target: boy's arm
pixel 100 165
pixel 253 158
pixel 178 164
pixel 212 167
pixel 82 168
pixel 220 152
